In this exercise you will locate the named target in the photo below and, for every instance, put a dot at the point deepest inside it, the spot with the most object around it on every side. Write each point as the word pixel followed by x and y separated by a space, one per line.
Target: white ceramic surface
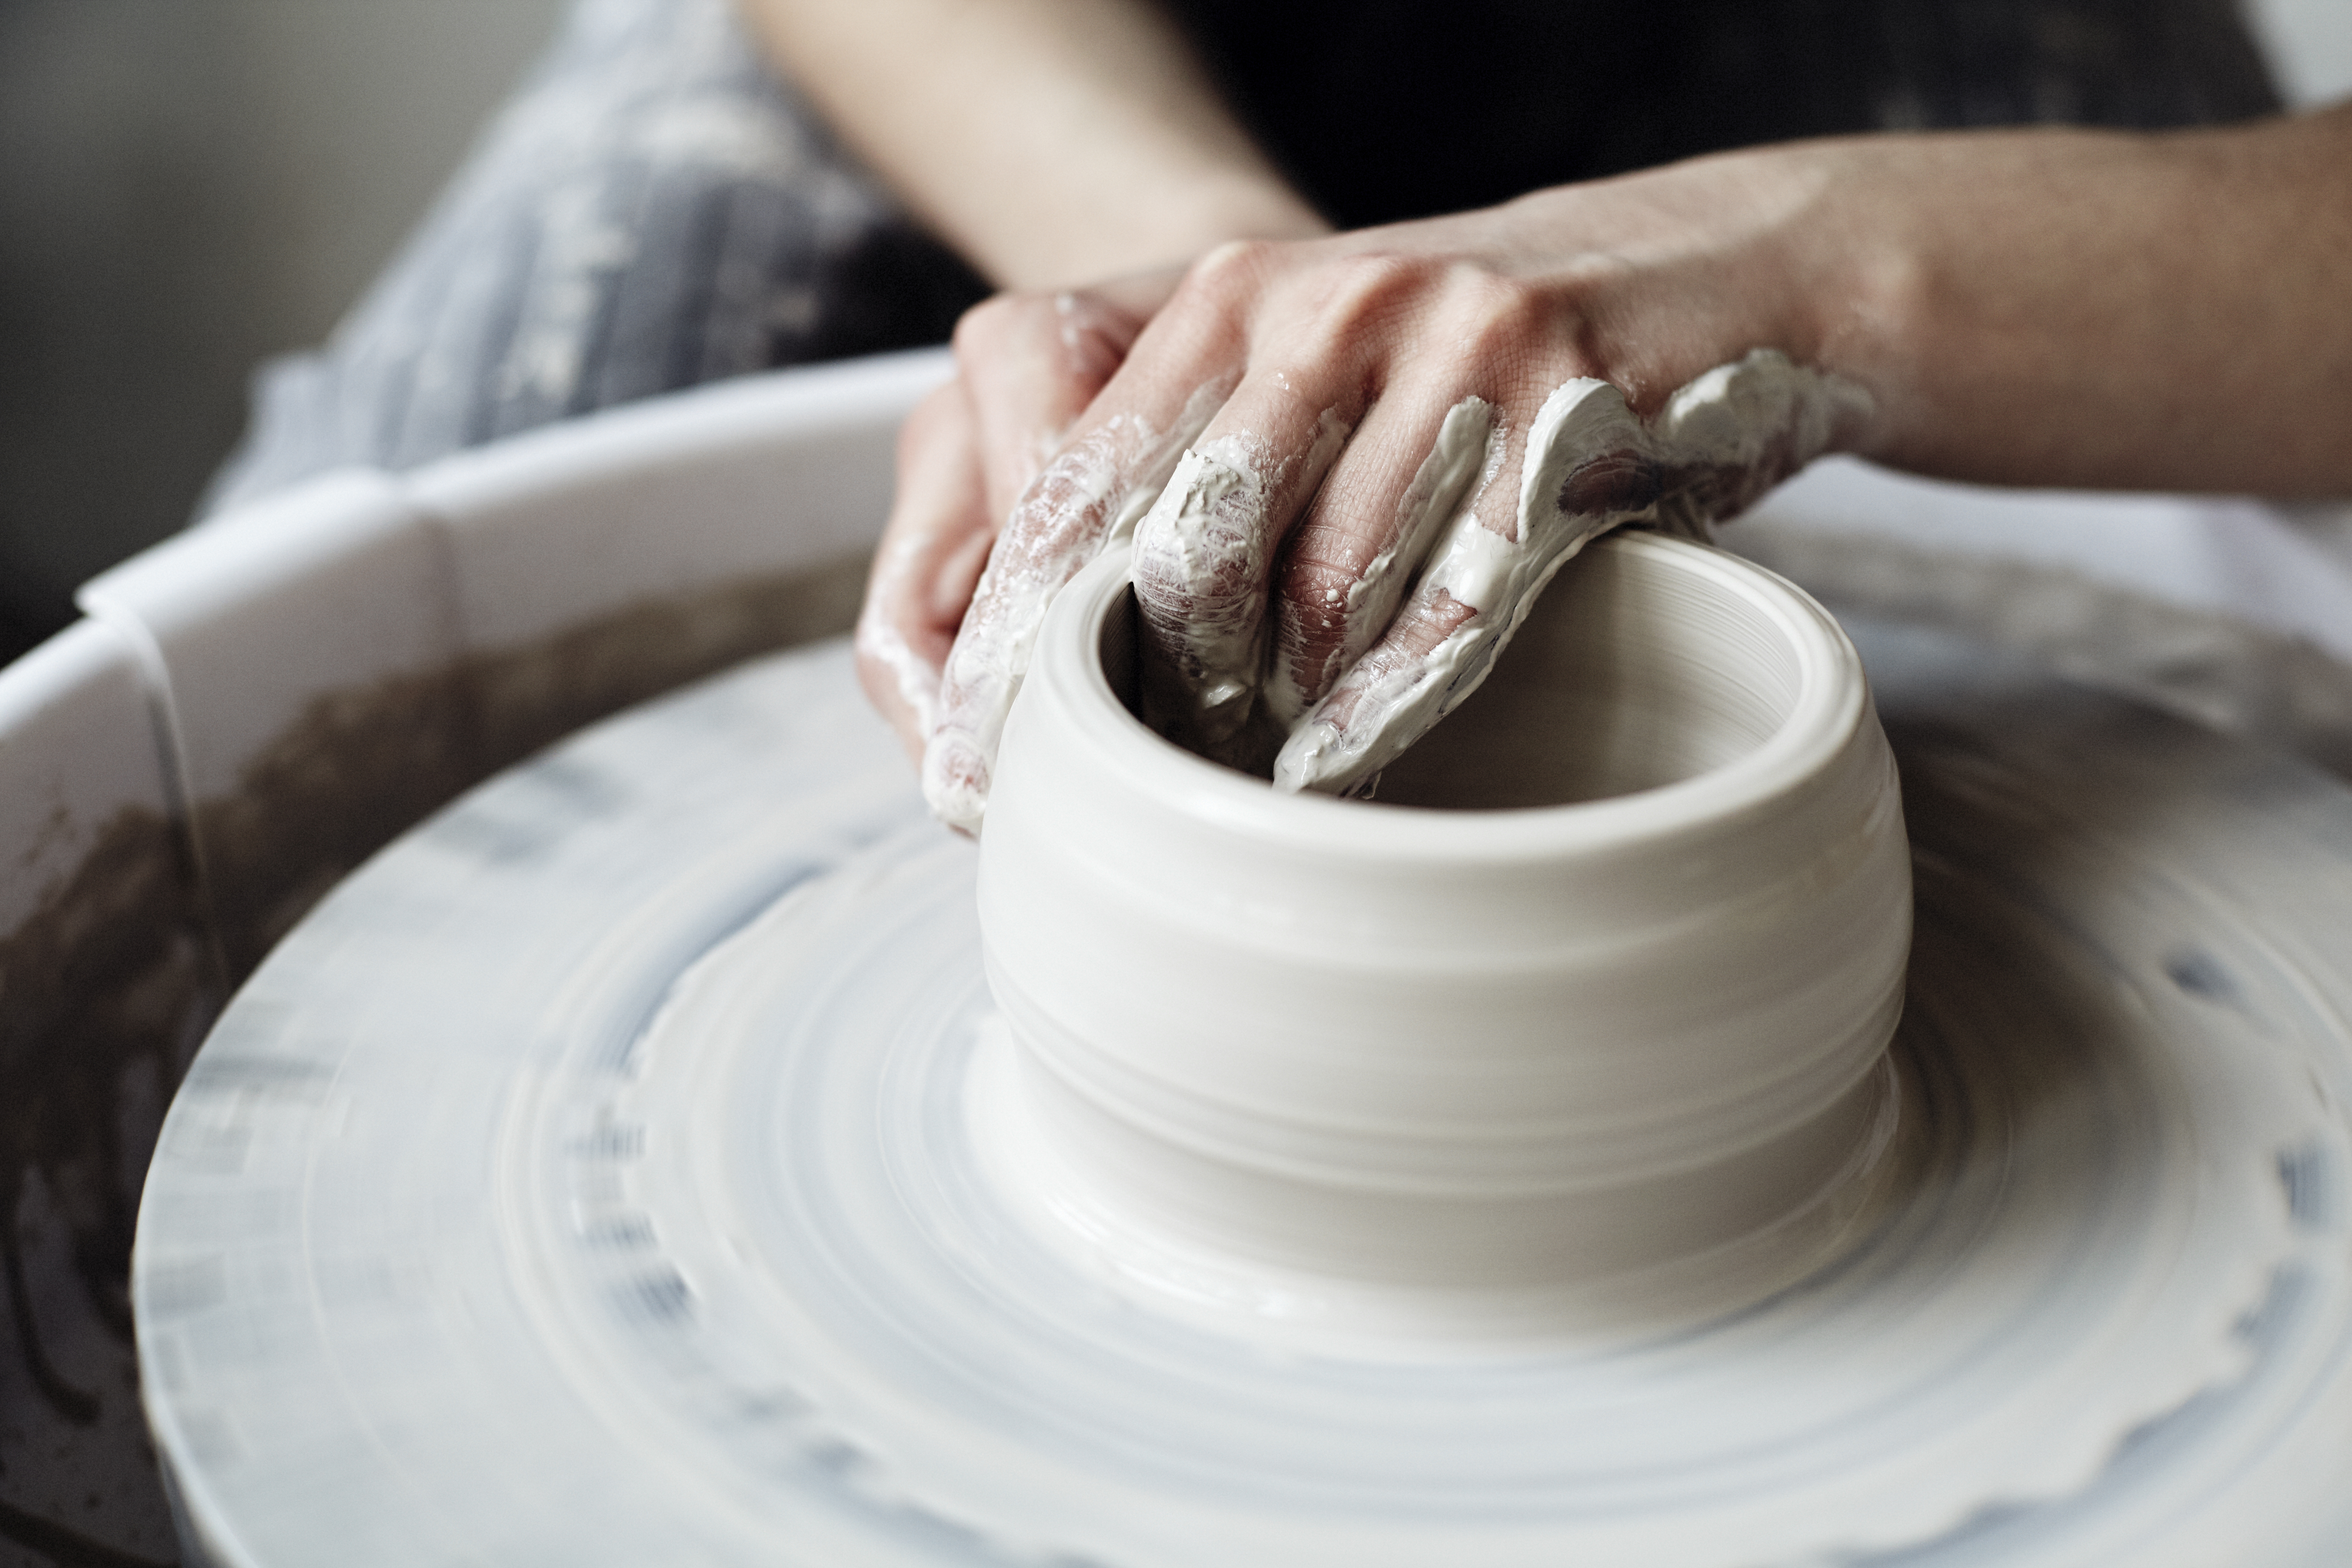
pixel 2226 555
pixel 590 1181
pixel 337 583
pixel 1625 1054
pixel 677 496
pixel 78 747
pixel 104 989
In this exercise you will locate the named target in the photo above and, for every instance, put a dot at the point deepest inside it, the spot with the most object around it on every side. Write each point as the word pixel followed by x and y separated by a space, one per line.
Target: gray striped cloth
pixel 654 210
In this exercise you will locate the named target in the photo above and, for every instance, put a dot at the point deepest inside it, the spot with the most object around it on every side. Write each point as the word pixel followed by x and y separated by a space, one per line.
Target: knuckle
pixel 1215 298
pixel 987 326
pixel 1164 593
pixel 1177 589
pixel 1493 316
pixel 1357 303
pixel 935 419
pixel 1220 286
pixel 1231 267
pixel 1581 309
pixel 1314 593
pixel 1366 290
pixel 978 325
pixel 1325 555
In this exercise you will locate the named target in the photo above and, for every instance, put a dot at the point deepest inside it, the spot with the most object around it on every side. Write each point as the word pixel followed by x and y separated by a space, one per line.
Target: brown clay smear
pixel 106 989
pixel 2235 677
pixel 531 696
pixel 354 770
pixel 360 766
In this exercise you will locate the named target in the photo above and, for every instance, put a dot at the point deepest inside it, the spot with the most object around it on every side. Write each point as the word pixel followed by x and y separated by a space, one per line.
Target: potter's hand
pixel 1046 141
pixel 1340 408
pixel 1202 563
pixel 2038 307
pixel 1027 365
pixel 1386 622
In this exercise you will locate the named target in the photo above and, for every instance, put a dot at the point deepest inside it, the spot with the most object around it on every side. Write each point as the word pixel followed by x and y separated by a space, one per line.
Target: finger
pixel 926 564
pixel 1587 465
pixel 1204 558
pixel 1365 536
pixel 1590 466
pixel 1338 750
pixel 1423 454
pixel 1095 488
pixel 1206 555
pixel 1032 364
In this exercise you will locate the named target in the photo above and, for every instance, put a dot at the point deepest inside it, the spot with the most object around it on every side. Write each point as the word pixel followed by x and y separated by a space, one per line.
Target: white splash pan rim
pixel 1832 701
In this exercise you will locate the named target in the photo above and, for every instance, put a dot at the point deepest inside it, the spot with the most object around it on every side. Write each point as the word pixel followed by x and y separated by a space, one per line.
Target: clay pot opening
pixel 1631 677
pixel 1631 674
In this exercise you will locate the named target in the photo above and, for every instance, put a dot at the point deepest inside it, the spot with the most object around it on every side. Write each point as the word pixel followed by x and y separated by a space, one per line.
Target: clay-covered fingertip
pixel 1317 759
pixel 955 781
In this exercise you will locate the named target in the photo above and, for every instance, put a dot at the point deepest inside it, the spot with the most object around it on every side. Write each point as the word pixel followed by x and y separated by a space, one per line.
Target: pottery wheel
pixel 587 1181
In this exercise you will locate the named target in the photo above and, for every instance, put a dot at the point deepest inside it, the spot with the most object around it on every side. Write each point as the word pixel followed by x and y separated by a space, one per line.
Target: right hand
pixel 1343 406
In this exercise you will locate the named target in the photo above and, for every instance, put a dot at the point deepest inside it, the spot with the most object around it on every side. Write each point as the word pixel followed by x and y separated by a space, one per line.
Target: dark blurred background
pixel 189 186
pixel 186 188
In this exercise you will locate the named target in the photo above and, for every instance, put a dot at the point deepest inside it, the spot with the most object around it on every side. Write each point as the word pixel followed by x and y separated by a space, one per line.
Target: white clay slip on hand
pixel 625 1166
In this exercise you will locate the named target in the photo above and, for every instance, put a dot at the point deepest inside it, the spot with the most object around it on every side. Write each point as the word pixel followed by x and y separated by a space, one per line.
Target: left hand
pixel 1026 367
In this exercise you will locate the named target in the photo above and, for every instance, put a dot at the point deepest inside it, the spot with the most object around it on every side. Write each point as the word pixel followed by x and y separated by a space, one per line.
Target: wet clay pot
pixel 1594 1002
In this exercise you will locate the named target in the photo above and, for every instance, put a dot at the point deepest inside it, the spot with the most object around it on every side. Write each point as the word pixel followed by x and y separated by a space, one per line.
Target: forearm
pixel 1049 142
pixel 2069 308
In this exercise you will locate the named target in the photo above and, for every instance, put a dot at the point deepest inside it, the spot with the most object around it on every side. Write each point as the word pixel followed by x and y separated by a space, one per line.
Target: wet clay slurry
pixel 357 767
pixel 106 990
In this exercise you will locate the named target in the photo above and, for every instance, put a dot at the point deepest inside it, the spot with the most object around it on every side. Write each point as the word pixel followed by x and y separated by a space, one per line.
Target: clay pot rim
pixel 1833 702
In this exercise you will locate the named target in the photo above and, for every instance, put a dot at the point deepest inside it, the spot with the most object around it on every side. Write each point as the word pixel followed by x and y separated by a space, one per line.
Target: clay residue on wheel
pixel 354 770
pixel 104 989
pixel 360 766
pixel 107 987
pixel 2231 675
pixel 534 694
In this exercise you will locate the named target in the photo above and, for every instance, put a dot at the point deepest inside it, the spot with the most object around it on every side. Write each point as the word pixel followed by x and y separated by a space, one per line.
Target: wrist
pixel 1135 224
pixel 1858 275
